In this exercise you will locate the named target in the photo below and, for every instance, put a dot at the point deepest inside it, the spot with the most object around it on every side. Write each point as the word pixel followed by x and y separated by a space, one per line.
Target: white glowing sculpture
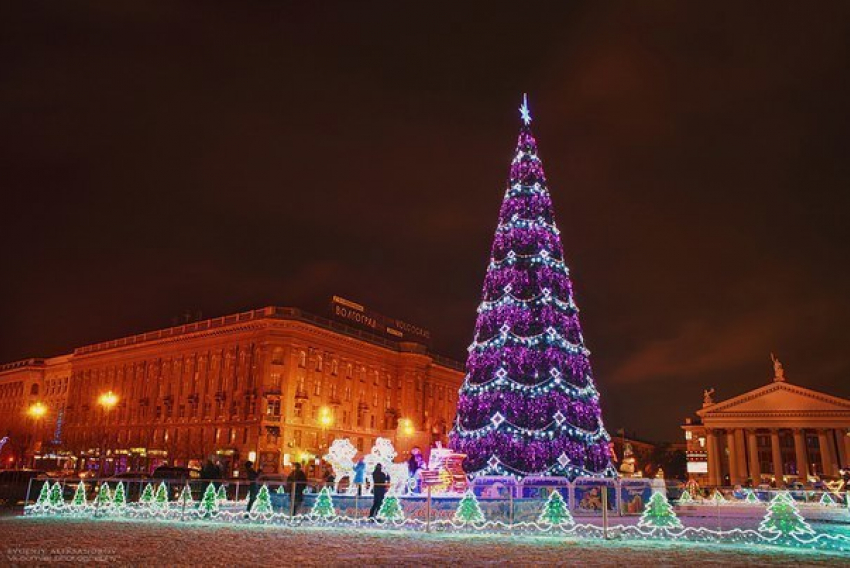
pixel 341 457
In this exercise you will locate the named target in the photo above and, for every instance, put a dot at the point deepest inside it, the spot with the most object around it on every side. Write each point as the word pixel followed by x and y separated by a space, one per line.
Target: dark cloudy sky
pixel 163 156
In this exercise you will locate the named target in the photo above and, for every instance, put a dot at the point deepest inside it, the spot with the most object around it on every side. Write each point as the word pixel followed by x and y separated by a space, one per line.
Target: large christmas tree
pixel 528 405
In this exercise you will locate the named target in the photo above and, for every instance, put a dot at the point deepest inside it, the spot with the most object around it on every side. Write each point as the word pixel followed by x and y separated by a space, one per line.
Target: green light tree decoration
pixel 55 500
pixel 79 500
pixel 119 497
pixel 263 504
pixel 555 510
pixel 103 501
pixel 717 497
pixel 186 497
pixel 324 506
pixel 659 513
pixel 468 510
pixel 146 498
pixel 784 518
pixel 826 499
pixel 43 496
pixel 751 497
pixel 391 509
pixel 160 500
pixel 209 502
pixel 686 498
pixel 222 494
pixel 281 490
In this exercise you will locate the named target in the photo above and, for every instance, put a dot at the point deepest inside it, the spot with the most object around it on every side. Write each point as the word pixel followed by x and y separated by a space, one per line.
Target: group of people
pixel 297 483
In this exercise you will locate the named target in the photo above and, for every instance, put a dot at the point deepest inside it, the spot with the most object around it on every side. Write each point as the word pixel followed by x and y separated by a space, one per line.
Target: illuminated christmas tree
pixel 528 404
pixel 686 498
pixel 222 494
pixel 103 501
pixel 783 518
pixel 147 495
pixel 186 497
pixel 160 501
pixel 119 497
pixel 209 502
pixel 263 504
pixel 43 496
pixel 79 500
pixel 324 506
pixel 751 497
pixel 468 510
pixel 555 510
pixel 659 513
pixel 391 509
pixel 826 499
pixel 55 499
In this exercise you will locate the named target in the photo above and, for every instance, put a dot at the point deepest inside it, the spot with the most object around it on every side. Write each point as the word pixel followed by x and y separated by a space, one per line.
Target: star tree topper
pixel 523 110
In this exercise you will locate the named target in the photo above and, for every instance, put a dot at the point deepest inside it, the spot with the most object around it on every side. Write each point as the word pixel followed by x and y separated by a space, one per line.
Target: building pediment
pixel 777 397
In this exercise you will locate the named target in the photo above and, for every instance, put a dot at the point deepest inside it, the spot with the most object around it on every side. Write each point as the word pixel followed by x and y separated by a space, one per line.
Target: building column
pixel 826 458
pixel 755 466
pixel 778 466
pixel 843 449
pixel 733 457
pixel 801 457
pixel 741 453
pixel 713 461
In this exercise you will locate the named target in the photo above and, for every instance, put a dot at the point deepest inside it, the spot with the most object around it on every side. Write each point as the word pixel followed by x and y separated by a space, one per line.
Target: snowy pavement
pixel 46 541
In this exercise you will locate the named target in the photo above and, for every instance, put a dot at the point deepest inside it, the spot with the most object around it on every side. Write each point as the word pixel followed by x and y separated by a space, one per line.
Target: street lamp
pixel 36 412
pixel 107 401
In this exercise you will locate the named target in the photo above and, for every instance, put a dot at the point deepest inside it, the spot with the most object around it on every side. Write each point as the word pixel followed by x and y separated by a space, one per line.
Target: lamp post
pixel 36 412
pixel 107 402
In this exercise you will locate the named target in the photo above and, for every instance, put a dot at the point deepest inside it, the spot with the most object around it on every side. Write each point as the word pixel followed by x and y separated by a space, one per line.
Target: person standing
pixel 253 487
pixel 380 482
pixel 359 475
pixel 297 481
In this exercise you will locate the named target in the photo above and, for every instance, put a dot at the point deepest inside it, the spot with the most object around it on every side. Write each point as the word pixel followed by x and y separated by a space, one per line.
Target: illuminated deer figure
pixel 341 457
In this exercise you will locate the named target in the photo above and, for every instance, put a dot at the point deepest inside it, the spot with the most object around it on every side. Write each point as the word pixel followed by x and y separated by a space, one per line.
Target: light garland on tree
pixel 555 510
pixel 659 514
pixel 468 509
pixel 528 405
pixel 783 518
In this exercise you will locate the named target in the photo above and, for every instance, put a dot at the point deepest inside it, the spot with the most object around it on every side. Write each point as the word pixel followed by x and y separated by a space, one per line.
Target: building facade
pixel 27 386
pixel 274 385
pixel 776 434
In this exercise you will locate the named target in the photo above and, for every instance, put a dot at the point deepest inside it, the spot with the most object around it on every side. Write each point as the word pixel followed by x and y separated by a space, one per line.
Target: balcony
pixel 301 394
pixel 334 400
pixel 272 391
pixel 271 418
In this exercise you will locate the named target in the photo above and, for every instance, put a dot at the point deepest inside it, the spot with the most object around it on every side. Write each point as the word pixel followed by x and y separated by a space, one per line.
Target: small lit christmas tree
pixel 119 497
pixel 263 504
pixel 659 513
pixel 186 497
pixel 826 499
pixel 43 496
pixel 324 506
pixel 784 518
pixel 222 494
pixel 160 500
pixel 103 501
pixel 391 509
pixel 685 498
pixel 468 510
pixel 55 500
pixel 751 497
pixel 79 500
pixel 209 502
pixel 717 497
pixel 555 510
pixel 281 490
pixel 147 496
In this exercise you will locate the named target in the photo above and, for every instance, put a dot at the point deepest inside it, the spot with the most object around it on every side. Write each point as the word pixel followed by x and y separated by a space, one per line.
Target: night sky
pixel 163 157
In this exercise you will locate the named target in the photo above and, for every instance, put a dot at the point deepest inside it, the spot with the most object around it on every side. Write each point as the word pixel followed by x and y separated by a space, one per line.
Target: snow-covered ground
pixel 27 541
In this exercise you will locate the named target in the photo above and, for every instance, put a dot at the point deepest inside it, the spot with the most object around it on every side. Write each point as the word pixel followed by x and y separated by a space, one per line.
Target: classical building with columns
pixel 778 433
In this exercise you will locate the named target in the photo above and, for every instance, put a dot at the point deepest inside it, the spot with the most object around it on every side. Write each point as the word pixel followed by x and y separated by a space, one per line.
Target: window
pixel 348 370
pixel 372 421
pixel 299 411
pixel 347 392
pixel 296 438
pixel 334 367
pixel 375 398
pixel 275 380
pixel 317 387
pixel 273 408
pixel 277 356
pixel 319 363
pixel 389 382
pixel 302 359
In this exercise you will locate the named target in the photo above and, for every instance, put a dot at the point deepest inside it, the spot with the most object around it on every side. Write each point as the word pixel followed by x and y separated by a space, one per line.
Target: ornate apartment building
pixel 275 385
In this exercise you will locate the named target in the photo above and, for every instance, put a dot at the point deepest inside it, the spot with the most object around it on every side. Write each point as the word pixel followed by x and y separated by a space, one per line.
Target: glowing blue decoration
pixel 523 110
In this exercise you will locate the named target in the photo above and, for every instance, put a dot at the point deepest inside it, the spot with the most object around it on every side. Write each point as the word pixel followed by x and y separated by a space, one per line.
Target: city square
pixel 266 328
